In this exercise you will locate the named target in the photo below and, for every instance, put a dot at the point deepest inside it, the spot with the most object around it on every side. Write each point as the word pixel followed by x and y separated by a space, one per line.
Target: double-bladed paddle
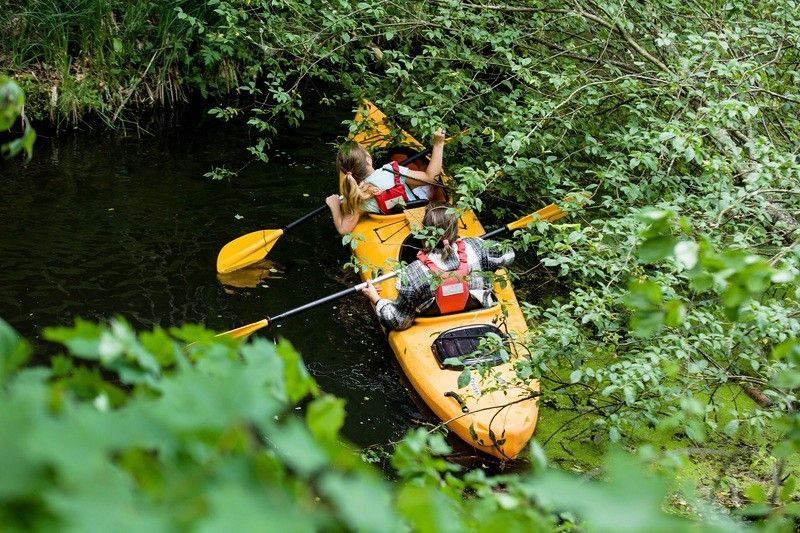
pixel 253 247
pixel 549 213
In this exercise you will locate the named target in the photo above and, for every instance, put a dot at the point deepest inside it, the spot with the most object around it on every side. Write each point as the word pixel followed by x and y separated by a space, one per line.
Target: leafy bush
pixel 139 432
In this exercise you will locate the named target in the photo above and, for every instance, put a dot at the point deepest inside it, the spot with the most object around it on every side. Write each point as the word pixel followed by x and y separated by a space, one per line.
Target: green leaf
pixel 24 143
pixel 427 509
pixel 656 248
pixel 363 502
pixel 792 509
pixel 325 417
pixel 787 490
pixel 644 295
pixel 538 456
pixel 464 378
pixel 732 427
pixel 787 379
pixel 756 493
pixel 293 443
pixel 106 502
pixel 237 506
pixel 755 509
pixel 12 99
pixel 701 281
pixel 14 351
pixel 647 323
pixel 788 349
pixel 453 362
pixel 675 313
pixel 627 492
pixel 695 430
pixel 733 297
pixel 630 396
pixel 299 382
pixel 83 339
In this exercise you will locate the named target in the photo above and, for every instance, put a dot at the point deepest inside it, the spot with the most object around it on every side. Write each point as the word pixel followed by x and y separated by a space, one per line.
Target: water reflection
pixel 252 276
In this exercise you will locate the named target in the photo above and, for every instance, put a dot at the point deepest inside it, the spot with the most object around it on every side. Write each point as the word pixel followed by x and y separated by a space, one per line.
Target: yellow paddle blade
pixel 244 331
pixel 246 250
pixel 548 213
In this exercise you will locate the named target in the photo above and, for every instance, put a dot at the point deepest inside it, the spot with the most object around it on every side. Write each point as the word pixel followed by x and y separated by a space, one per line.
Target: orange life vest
pixel 391 197
pixel 452 295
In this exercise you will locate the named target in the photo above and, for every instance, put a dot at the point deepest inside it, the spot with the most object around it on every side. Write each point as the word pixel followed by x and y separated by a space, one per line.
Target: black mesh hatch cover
pixel 463 341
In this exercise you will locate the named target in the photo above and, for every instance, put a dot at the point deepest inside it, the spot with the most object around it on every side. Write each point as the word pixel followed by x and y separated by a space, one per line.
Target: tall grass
pixel 100 56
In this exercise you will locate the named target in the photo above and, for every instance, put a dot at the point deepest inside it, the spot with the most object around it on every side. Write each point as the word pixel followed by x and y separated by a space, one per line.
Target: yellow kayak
pixel 496 422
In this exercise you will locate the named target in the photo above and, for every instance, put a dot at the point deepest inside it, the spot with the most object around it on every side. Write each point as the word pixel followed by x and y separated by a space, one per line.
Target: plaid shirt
pixel 417 284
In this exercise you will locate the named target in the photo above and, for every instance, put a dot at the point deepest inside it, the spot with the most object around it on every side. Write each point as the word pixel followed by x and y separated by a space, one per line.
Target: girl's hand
pixel 369 188
pixel 438 136
pixel 333 201
pixel 371 292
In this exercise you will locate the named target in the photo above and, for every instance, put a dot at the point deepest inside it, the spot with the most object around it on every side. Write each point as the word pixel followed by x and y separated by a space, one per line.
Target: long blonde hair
pixel 353 164
pixel 443 216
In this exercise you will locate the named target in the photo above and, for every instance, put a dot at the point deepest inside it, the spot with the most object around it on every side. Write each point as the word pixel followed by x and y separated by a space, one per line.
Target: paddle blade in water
pixel 246 250
pixel 244 331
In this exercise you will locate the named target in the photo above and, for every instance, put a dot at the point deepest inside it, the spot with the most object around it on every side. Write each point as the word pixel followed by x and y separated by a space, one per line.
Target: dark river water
pixel 98 225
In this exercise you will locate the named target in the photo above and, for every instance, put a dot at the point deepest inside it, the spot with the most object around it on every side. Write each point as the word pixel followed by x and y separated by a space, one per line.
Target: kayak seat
pixel 400 154
pixel 465 343
pixel 410 205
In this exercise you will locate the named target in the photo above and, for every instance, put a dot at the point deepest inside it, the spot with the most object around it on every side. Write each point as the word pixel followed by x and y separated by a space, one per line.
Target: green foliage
pixel 211 440
pixel 14 352
pixel 611 506
pixel 12 100
pixel 12 104
pixel 208 443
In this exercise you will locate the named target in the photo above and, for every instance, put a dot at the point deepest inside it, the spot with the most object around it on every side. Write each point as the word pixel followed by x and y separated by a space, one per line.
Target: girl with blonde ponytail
pixel 355 166
pixel 366 190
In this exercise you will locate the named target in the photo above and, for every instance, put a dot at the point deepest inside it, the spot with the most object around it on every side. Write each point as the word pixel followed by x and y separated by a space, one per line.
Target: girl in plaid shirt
pixel 417 283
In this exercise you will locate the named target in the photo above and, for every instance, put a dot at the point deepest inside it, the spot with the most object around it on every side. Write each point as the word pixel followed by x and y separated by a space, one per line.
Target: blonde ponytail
pixel 354 165
pixel 353 194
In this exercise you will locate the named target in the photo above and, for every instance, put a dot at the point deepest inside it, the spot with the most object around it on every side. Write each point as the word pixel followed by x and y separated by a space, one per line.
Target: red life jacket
pixel 391 197
pixel 452 295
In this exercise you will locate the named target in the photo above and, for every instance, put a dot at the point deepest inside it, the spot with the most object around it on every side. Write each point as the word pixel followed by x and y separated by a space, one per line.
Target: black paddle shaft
pixel 315 303
pixel 494 232
pixel 322 208
pixel 357 288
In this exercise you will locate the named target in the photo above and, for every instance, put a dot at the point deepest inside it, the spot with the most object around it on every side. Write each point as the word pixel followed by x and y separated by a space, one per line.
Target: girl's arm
pixel 413 290
pixel 493 255
pixel 344 223
pixel 395 314
pixel 417 178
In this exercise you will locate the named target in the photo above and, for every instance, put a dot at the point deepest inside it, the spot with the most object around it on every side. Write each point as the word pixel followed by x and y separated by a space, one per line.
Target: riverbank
pixel 108 61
